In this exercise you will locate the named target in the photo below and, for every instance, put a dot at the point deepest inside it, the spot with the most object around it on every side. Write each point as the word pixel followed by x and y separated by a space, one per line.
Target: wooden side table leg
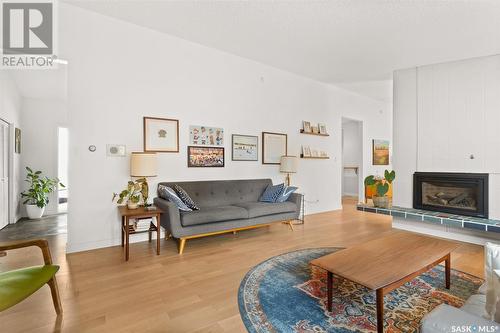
pixel 158 228
pixel 380 310
pixel 123 225
pixel 127 241
pixel 447 265
pixel 329 290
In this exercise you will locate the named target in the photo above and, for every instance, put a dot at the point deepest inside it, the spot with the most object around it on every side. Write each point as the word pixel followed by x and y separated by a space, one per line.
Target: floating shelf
pixel 315 157
pixel 311 133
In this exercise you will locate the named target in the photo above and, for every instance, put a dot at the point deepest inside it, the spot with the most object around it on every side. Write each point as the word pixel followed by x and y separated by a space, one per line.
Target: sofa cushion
pixel 169 194
pixel 256 209
pixel 286 193
pixel 213 214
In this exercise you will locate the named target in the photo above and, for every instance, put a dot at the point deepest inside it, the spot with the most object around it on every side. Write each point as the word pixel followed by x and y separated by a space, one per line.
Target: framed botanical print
pixel 380 152
pixel 274 145
pixel 205 157
pixel 245 148
pixel 306 151
pixel 161 135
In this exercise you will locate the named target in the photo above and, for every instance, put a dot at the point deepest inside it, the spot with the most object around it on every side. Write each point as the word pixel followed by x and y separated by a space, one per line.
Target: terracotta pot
pixel 132 205
pixel 34 212
pixel 381 202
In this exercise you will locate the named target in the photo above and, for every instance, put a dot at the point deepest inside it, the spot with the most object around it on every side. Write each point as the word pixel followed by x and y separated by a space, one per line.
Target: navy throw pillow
pixel 167 193
pixel 286 193
pixel 272 192
pixel 182 194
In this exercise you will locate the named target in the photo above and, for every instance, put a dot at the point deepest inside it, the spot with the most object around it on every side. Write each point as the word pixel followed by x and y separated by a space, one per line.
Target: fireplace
pixel 455 193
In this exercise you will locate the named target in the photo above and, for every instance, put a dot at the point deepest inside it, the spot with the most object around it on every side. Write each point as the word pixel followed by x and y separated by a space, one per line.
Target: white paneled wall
pixel 443 114
pixel 459 116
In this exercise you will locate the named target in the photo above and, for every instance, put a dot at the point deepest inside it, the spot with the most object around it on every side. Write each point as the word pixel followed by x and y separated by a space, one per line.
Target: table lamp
pixel 143 165
pixel 288 165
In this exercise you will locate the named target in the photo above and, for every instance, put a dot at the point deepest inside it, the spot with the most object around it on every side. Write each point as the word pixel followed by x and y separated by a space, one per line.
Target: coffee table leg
pixel 447 265
pixel 380 310
pixel 329 283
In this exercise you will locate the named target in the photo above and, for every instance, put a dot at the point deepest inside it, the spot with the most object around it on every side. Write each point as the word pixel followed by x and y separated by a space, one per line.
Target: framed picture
pixel 315 129
pixel 380 152
pixel 323 154
pixel 206 136
pixel 17 140
pixel 306 151
pixel 314 153
pixel 205 157
pixel 306 125
pixel 245 148
pixel 161 135
pixel 274 145
pixel 322 128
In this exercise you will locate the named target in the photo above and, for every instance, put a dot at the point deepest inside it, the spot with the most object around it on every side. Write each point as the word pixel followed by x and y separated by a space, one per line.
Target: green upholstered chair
pixel 19 284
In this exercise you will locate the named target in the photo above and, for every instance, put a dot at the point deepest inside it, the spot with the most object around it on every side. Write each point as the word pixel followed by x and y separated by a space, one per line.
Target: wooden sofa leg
pixel 182 243
pixel 290 225
pixel 55 295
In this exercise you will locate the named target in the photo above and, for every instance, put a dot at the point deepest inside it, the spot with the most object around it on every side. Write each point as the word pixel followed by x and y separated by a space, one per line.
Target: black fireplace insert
pixel 455 193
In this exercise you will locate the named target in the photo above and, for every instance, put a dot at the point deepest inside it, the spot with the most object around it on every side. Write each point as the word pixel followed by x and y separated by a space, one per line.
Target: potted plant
pixel 381 185
pixel 37 196
pixel 132 194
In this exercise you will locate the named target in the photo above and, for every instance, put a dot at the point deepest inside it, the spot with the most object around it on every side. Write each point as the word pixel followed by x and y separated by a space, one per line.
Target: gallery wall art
pixel 161 135
pixel 206 136
pixel 245 147
pixel 274 145
pixel 380 152
pixel 199 157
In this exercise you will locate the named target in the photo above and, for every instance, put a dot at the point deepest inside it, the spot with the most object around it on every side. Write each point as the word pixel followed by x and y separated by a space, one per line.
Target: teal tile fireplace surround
pixel 457 221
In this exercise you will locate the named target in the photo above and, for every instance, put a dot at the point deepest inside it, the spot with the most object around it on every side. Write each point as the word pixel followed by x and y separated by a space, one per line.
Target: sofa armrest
pixel 444 317
pixel 170 219
pixel 296 198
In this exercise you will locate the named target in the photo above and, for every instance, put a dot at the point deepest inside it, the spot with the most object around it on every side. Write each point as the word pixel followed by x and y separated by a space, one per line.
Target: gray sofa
pixel 225 206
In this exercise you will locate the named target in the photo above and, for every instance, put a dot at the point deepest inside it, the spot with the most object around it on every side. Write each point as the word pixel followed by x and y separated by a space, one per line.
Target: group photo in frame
pixel 274 145
pixel 205 157
pixel 161 135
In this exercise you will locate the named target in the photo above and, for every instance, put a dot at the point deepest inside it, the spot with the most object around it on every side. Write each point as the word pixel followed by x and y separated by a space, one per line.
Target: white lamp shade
pixel 143 165
pixel 288 164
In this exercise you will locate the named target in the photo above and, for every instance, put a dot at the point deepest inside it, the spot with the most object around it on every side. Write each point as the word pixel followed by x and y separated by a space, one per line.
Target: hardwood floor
pixel 195 292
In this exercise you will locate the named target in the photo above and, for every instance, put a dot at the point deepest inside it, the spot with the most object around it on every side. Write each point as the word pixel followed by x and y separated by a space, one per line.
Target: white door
pixel 4 174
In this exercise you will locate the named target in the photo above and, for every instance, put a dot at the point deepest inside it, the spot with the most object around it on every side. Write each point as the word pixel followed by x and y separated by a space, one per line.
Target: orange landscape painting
pixel 380 152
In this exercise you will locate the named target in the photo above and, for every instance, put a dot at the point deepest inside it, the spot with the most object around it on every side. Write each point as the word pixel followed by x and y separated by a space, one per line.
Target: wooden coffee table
pixel 386 263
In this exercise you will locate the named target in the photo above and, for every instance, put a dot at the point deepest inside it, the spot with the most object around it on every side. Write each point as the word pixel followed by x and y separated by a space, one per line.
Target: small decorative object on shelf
pixel 381 186
pixel 322 129
pixel 306 126
pixel 306 151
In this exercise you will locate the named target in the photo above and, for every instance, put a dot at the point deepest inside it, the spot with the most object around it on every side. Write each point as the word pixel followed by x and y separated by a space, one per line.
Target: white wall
pixel 352 156
pixel 119 72
pixel 40 120
pixel 443 114
pixel 10 111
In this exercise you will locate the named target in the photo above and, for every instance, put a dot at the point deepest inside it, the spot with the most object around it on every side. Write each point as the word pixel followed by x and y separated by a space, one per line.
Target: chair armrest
pixel 443 317
pixel 41 243
pixel 171 218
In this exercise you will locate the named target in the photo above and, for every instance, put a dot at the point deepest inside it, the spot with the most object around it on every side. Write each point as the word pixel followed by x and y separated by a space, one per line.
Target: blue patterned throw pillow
pixel 272 192
pixel 286 193
pixel 182 194
pixel 167 193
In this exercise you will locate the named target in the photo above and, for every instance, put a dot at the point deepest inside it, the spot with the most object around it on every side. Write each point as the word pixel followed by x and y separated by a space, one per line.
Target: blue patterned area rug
pixel 286 294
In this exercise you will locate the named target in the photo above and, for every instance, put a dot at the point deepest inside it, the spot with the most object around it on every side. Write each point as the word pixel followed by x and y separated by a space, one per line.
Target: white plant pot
pixel 132 205
pixel 34 212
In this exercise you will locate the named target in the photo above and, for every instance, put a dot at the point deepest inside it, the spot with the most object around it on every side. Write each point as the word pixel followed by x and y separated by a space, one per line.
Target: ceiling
pixel 331 41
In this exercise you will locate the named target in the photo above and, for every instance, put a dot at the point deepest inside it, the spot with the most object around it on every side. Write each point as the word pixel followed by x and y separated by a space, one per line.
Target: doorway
pixel 62 169
pixel 4 174
pixel 352 159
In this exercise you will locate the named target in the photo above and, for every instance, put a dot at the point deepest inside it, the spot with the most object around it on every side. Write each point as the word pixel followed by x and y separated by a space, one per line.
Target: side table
pixel 139 213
